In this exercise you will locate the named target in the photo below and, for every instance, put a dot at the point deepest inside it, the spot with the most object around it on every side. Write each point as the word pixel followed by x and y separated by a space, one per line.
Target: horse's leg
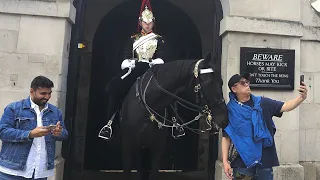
pixel 155 165
pixel 143 173
pixel 127 157
pixel 157 151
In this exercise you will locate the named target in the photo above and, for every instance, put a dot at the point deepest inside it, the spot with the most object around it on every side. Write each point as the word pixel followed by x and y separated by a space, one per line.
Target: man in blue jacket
pixel 28 130
pixel 251 130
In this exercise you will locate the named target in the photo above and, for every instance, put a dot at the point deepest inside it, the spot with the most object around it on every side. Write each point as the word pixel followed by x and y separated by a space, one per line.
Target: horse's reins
pixel 197 131
pixel 153 112
pixel 202 110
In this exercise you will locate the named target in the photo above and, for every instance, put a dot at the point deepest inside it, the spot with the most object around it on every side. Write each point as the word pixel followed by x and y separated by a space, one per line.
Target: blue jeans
pixel 4 176
pixel 253 173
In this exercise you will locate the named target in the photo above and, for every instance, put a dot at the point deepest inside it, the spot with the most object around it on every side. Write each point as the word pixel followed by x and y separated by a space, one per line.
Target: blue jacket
pixel 16 124
pixel 248 130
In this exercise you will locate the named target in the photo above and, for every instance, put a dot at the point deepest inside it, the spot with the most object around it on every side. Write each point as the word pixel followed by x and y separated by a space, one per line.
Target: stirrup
pixel 106 131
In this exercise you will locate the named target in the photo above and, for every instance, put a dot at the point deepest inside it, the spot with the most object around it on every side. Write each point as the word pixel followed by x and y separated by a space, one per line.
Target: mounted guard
pixel 142 51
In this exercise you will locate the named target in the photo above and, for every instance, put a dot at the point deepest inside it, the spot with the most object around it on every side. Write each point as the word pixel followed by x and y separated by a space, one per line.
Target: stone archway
pixel 106 56
pixel 81 137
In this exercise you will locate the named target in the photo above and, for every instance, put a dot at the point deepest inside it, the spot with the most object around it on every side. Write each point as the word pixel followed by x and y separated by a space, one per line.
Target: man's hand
pixel 58 130
pixel 227 170
pixel 39 132
pixel 292 104
pixel 303 91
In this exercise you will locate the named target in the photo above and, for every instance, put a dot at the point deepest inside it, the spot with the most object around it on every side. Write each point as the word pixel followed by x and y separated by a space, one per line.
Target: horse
pixel 196 84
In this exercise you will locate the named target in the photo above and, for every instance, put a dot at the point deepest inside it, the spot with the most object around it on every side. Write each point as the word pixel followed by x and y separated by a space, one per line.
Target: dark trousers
pixel 118 88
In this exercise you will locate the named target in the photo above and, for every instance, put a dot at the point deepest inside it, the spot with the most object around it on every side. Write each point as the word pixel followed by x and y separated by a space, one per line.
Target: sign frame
pixel 253 58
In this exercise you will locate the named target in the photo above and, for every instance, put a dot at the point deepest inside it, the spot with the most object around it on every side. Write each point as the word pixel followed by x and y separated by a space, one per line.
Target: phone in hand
pixel 301 79
pixel 51 126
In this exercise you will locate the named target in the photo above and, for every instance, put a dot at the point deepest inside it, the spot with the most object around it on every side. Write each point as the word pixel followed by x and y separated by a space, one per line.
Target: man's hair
pixel 41 81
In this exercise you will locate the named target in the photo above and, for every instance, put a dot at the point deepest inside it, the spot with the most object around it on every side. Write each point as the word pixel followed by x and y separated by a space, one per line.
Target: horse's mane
pixel 173 70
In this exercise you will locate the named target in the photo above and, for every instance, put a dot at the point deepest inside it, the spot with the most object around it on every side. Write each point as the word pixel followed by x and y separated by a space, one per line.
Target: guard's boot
pixel 106 131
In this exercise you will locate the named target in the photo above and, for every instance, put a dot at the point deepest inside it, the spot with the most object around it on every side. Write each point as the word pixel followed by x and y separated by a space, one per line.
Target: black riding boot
pixel 106 131
pixel 116 89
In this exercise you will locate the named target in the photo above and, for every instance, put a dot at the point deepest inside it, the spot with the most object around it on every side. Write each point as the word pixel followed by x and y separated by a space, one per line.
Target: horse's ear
pixel 207 59
pixel 210 59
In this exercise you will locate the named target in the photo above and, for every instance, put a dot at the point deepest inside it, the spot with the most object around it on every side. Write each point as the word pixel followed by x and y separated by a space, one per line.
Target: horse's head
pixel 208 87
pixel 196 85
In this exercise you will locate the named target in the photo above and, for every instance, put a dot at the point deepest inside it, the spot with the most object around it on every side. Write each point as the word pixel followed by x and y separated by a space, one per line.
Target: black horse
pixel 194 84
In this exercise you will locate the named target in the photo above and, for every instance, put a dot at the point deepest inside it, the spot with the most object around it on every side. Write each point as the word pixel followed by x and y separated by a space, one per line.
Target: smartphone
pixel 301 79
pixel 51 127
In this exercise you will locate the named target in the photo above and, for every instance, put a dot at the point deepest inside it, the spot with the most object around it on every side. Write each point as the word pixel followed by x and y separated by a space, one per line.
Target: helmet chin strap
pixel 145 33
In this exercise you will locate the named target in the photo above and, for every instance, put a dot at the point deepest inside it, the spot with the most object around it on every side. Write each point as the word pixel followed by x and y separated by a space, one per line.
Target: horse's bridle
pixel 203 109
pixel 200 95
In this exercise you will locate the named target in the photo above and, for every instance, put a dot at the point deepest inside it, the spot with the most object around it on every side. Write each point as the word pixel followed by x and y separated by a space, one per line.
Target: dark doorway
pixel 182 41
pixel 91 68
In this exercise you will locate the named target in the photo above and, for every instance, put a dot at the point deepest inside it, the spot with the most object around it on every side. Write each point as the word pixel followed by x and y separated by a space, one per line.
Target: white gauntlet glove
pixel 157 61
pixel 128 63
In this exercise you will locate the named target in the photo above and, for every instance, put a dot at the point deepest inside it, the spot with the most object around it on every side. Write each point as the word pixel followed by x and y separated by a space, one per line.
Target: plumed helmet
pixel 146 15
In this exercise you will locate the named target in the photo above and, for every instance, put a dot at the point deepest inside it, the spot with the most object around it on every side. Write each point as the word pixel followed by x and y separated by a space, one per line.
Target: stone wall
pixel 35 37
pixel 310 109
pixel 272 24
pixel 34 40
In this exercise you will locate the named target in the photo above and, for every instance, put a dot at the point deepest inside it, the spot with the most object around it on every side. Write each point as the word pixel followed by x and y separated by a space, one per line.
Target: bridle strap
pixel 177 97
pixel 196 68
pixel 203 109
pixel 152 112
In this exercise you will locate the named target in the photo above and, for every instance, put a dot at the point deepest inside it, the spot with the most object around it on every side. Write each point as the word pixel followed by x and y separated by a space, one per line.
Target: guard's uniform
pixel 142 51
pixel 159 48
pixel 147 54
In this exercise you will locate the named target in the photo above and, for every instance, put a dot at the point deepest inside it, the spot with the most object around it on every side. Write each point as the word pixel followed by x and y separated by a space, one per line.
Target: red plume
pixel 143 4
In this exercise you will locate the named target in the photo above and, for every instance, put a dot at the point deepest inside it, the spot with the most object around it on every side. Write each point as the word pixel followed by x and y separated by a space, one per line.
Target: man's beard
pixel 40 102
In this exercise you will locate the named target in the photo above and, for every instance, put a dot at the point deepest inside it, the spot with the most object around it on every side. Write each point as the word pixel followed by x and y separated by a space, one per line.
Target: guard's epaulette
pixel 158 35
pixel 135 36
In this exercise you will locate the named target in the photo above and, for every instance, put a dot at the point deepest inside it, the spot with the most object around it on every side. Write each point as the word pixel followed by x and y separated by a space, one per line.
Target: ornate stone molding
pixel 311 33
pixel 260 26
pixel 50 8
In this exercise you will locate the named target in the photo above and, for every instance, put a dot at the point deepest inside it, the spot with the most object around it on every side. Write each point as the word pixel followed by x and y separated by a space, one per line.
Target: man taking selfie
pixel 248 141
